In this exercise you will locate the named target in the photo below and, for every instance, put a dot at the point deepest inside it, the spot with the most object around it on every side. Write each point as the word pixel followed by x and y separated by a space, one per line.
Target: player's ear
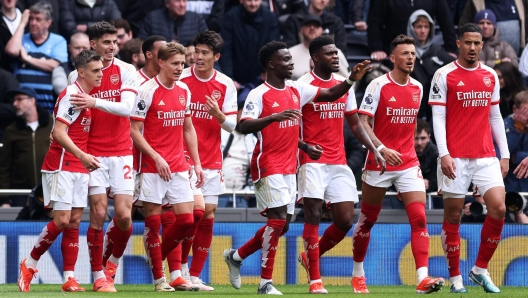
pixel 458 43
pixel 160 63
pixel 392 58
pixel 92 44
pixel 315 57
pixel 217 57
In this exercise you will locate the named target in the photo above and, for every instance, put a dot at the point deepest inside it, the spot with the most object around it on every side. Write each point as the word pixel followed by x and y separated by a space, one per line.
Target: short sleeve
pixel 351 105
pixel 129 79
pixel 72 77
pixel 495 96
pixel 253 106
pixel 66 112
pixel 142 104
pixel 188 101
pixel 308 92
pixel 438 92
pixel 230 106
pixel 370 102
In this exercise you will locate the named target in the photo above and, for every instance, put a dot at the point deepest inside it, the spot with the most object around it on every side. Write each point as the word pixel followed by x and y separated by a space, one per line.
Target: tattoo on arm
pixel 365 119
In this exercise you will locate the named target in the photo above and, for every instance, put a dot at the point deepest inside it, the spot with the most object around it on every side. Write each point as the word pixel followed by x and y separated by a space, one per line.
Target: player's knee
pixel 185 222
pixel 453 216
pixel 498 212
pixel 97 217
pixel 344 224
pixel 123 220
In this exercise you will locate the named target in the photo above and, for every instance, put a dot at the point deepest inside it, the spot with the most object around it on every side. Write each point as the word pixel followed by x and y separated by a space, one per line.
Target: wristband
pixel 350 82
pixel 380 147
pixel 304 147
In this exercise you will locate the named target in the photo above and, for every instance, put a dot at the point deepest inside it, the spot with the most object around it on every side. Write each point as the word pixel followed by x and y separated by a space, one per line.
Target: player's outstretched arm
pixel 248 126
pixel 313 151
pixel 139 141
pixel 391 156
pixel 60 134
pixel 361 134
pixel 339 90
pixel 189 135
pixel 122 108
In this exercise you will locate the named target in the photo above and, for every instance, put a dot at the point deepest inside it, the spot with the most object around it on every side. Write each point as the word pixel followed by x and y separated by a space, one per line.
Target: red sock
pixel 189 238
pixel 95 248
pixel 331 237
pixel 451 245
pixel 152 244
pixel 70 248
pixel 174 257
pixel 311 246
pixel 419 234
pixel 367 219
pixel 489 240
pixel 252 245
pixel 108 245
pixel 176 232
pixel 270 243
pixel 49 233
pixel 201 246
pixel 121 241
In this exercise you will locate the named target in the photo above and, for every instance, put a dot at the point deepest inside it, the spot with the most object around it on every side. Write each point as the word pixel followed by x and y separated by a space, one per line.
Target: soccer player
pixel 65 175
pixel 161 123
pixel 466 119
pixel 113 102
pixel 273 110
pixel 327 179
pixel 388 114
pixel 213 107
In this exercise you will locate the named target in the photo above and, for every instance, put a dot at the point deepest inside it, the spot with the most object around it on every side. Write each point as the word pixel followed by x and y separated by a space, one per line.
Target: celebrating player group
pixel 150 139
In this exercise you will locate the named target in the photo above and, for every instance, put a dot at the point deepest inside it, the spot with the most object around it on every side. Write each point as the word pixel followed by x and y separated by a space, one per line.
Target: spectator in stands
pixel 510 84
pixel 38 53
pixel 124 33
pixel 332 24
pixel 11 17
pixel 429 56
pixel 456 7
pixel 134 11
pixel 173 22
pixel 59 77
pixel 310 29
pixel 25 144
pixel 55 8
pixel 388 18
pixel 7 111
pixel 78 15
pixel 427 154
pixel 246 29
pixel 356 12
pixel 189 56
pixel 131 53
pixel 212 11
pixel 510 15
pixel 283 8
pixel 494 50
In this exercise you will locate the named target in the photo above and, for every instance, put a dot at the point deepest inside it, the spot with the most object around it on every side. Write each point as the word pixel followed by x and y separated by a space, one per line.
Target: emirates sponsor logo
pixel 401 112
pixel 473 95
pixel 108 95
pixel 329 106
pixel 114 79
pixel 216 95
pixel 487 81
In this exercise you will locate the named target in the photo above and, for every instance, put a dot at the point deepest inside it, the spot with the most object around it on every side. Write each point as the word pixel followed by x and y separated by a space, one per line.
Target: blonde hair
pixel 170 49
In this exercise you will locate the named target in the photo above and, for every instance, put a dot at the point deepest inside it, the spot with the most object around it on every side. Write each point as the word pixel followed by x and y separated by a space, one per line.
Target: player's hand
pixel 290 114
pixel 378 55
pixel 90 162
pixel 211 106
pixel 505 167
pixel 521 171
pixel 521 115
pixel 163 168
pixel 82 101
pixel 448 166
pixel 380 161
pixel 314 152
pixel 391 156
pixel 359 70
pixel 426 182
pixel 200 176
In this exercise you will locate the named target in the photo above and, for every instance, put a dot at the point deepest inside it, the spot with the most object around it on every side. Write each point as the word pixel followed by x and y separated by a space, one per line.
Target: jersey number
pixel 128 172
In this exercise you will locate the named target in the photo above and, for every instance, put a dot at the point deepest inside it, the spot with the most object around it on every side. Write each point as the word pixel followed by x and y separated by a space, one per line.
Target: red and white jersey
pixel 322 122
pixel 57 158
pixel 468 95
pixel 394 109
pixel 276 149
pixel 162 111
pixel 110 134
pixel 221 88
pixel 141 77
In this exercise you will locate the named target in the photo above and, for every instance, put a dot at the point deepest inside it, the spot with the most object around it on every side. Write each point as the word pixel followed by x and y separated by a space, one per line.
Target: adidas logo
pixel 460 84
pixel 392 99
pixel 161 103
pixel 275 104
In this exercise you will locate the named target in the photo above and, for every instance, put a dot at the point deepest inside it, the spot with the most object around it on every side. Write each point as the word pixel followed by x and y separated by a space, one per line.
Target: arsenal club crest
pixel 295 99
pixel 114 79
pixel 416 97
pixel 487 81
pixel 216 95
pixel 182 100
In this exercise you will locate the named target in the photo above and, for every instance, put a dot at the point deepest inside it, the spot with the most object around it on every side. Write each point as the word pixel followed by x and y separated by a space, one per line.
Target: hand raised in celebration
pixel 359 70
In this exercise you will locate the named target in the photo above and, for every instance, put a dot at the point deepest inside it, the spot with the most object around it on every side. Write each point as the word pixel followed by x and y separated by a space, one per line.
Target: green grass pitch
pixel 133 291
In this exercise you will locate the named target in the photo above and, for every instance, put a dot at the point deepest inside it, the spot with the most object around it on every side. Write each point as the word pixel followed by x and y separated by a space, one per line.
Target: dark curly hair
pixel 267 51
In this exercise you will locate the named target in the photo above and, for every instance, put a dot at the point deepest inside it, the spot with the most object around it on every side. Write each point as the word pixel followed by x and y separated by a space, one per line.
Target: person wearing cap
pixel 25 144
pixel 311 27
pixel 494 50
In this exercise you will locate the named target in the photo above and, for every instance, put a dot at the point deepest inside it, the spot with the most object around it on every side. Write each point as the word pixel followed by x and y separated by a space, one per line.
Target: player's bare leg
pixel 414 202
pixel 70 251
pixel 490 237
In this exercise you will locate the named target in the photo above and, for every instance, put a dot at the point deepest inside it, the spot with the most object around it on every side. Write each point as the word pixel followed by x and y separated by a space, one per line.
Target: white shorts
pixel 405 180
pixel 115 172
pixel 332 183
pixel 485 173
pixel 214 185
pixel 150 187
pixel 69 189
pixel 276 191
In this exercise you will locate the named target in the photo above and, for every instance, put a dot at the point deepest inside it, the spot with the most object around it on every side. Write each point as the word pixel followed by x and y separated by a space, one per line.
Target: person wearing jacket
pixel 25 144
pixel 516 128
pixel 78 15
pixel 429 56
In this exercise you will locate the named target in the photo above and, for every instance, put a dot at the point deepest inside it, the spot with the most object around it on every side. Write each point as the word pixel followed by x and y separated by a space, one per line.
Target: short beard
pixel 469 61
